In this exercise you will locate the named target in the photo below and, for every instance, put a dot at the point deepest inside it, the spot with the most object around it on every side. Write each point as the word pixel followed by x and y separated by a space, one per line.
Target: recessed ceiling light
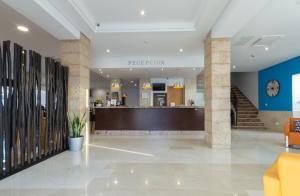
pixel 22 28
pixel 108 51
pixel 266 48
pixel 142 12
pixel 233 66
pixel 181 50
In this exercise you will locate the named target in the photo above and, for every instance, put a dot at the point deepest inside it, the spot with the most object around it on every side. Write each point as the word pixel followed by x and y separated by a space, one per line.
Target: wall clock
pixel 273 88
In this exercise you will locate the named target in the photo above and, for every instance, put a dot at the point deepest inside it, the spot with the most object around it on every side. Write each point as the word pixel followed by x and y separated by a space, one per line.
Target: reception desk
pixel 149 118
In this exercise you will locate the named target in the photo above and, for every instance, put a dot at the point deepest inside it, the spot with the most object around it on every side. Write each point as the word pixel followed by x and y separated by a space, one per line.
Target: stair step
pixel 248 127
pixel 243 111
pixel 246 107
pixel 248 120
pixel 250 124
pixel 246 116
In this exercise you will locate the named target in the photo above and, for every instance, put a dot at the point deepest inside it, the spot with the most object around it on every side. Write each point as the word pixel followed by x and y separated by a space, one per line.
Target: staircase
pixel 246 112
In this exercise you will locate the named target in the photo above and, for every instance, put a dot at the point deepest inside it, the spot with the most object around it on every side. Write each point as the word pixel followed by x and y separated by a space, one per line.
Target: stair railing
pixel 234 102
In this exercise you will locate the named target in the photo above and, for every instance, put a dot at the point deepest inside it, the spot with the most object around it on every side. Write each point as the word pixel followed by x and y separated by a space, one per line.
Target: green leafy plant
pixel 77 125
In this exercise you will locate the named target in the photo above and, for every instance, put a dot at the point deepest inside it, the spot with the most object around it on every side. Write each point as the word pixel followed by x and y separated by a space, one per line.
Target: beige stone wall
pixel 190 90
pixel 217 92
pixel 76 55
pixel 275 120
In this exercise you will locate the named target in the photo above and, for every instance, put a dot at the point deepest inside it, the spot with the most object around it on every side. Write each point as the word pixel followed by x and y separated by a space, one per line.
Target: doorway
pixel 296 95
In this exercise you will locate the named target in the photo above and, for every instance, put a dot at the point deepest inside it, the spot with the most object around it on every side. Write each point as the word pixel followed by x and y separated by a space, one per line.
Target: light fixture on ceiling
pixel 22 28
pixel 233 67
pixel 266 48
pixel 143 12
pixel 147 85
pixel 107 50
pixel 132 81
pixel 181 50
pixel 178 85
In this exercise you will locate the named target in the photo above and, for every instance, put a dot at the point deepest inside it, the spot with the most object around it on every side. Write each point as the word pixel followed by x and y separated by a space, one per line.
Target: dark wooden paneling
pixel 24 137
pixel 149 119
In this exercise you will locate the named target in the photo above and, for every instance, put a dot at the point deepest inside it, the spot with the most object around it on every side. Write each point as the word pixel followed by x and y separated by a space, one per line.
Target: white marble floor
pixel 168 165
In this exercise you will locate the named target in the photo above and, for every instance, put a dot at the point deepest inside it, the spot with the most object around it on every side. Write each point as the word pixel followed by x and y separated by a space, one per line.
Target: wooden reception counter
pixel 149 118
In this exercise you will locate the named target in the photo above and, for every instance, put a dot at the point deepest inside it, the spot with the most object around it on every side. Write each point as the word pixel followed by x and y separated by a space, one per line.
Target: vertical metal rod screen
pixel 30 131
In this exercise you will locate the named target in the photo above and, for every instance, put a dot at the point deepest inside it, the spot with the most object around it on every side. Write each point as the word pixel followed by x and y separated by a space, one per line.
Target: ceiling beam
pixel 237 15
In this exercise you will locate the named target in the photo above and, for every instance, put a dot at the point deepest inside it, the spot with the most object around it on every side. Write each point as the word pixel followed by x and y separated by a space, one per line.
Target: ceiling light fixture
pixel 132 81
pixel 181 50
pixel 108 51
pixel 266 48
pixel 233 66
pixel 142 12
pixel 22 28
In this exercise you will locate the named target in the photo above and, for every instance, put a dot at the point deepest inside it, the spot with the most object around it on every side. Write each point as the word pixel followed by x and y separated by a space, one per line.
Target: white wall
pixel 296 96
pixel 133 95
pixel 247 82
pixel 99 87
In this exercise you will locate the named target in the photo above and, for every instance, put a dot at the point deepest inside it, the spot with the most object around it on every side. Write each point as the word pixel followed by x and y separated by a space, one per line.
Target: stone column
pixel 76 55
pixel 217 92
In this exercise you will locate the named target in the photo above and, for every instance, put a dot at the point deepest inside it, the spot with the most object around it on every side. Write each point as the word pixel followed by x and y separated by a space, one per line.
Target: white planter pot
pixel 75 143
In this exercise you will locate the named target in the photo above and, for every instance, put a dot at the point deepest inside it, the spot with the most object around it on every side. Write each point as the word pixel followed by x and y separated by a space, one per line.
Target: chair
pixel 289 131
pixel 283 177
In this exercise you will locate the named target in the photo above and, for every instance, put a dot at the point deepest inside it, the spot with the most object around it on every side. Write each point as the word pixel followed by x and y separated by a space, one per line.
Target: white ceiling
pixel 170 25
pixel 36 39
pixel 279 17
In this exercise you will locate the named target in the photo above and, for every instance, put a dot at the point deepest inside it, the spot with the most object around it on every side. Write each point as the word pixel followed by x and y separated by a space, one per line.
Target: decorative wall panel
pixel 29 131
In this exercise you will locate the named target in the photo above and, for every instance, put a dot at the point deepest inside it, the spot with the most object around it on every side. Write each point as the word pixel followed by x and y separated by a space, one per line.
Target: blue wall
pixel 282 72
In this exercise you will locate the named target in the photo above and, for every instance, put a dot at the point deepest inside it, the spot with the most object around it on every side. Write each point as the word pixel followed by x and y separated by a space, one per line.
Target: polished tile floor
pixel 153 165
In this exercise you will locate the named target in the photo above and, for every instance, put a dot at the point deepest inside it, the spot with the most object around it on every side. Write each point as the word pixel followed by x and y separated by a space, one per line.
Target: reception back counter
pixel 149 118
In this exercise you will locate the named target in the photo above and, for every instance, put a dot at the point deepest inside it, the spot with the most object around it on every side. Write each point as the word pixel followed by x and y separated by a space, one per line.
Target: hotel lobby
pixel 136 97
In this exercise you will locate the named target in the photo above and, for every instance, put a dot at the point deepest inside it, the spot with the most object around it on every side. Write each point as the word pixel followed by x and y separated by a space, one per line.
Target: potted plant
pixel 76 139
pixel 99 103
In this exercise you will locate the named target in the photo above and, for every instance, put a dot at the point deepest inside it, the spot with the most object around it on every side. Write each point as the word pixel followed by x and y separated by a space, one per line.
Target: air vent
pixel 266 40
pixel 242 41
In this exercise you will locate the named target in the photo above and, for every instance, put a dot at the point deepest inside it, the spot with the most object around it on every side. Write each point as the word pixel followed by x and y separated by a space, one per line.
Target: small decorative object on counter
pixel 191 102
pixel 98 103
pixel 76 125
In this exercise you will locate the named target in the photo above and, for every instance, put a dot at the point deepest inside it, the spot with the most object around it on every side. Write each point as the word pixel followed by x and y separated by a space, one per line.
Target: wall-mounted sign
pixel 146 62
